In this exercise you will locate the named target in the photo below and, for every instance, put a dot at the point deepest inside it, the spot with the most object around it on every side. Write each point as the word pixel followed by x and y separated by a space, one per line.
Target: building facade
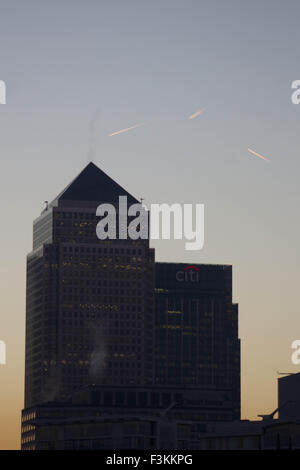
pixel 89 309
pixel 289 396
pixel 151 336
pixel 196 328
pixel 107 417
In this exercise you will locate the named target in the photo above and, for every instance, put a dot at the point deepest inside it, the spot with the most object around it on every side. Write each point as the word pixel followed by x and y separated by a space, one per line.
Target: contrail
pixel 125 130
pixel 197 113
pixel 258 155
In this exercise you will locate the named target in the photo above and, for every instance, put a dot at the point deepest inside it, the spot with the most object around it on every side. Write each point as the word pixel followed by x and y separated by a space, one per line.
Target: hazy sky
pixel 70 66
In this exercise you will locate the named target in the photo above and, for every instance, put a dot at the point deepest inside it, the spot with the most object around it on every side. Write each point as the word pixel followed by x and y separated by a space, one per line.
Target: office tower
pixel 89 309
pixel 104 322
pixel 289 396
pixel 196 329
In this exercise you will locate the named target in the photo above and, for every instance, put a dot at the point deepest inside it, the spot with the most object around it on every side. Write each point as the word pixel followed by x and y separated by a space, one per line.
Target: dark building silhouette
pixel 99 417
pixel 89 312
pixel 196 328
pixel 105 418
pixel 289 396
pixel 149 336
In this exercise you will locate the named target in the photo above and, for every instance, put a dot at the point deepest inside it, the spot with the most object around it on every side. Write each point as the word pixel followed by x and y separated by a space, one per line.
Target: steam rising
pixel 92 126
pixel 51 388
pixel 97 359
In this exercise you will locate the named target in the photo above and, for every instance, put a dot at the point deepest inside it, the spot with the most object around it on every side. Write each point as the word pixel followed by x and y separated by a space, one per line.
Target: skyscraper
pixel 89 309
pixel 196 329
pixel 103 319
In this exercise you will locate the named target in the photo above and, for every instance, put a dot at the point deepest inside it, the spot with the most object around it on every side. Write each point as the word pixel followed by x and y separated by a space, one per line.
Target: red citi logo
pixel 189 274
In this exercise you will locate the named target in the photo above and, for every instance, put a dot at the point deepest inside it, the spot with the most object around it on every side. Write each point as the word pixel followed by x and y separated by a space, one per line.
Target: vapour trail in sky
pixel 258 155
pixel 197 113
pixel 125 130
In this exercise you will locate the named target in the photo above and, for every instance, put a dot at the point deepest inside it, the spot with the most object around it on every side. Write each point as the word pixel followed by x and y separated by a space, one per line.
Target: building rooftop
pixel 92 184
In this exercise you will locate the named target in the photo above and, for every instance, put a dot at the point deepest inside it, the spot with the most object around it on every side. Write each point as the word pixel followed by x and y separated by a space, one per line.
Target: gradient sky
pixel 71 66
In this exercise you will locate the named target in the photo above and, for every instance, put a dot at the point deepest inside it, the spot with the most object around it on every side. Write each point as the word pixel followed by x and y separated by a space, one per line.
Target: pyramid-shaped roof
pixel 92 184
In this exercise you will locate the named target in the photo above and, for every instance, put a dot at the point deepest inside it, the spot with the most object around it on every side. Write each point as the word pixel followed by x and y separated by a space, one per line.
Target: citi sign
pixel 189 274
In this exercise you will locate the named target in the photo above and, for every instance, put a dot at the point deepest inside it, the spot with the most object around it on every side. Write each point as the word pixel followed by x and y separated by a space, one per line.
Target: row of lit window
pixel 81 249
